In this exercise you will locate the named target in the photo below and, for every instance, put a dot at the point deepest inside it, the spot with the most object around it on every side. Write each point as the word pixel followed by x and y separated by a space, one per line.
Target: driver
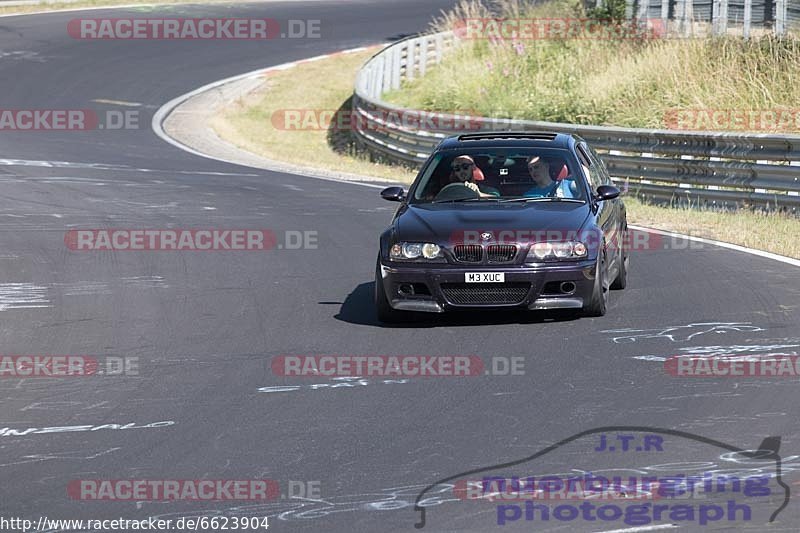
pixel 463 171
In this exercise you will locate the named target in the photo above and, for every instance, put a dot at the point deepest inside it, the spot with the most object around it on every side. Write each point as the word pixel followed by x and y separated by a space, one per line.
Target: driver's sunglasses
pixel 462 166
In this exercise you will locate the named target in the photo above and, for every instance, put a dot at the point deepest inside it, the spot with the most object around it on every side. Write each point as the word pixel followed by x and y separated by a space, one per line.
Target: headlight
pixel 415 250
pixel 412 250
pixel 430 250
pixel 543 251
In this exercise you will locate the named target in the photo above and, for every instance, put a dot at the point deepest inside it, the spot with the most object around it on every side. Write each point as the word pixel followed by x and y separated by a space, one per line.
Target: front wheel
pixel 598 303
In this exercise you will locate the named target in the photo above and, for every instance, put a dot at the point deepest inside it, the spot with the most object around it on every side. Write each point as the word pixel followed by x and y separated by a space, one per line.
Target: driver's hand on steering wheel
pixel 472 186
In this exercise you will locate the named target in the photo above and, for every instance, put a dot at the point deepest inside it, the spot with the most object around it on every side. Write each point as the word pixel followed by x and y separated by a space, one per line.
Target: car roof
pixel 511 139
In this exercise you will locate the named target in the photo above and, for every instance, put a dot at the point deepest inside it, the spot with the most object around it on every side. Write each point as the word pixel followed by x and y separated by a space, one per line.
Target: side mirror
pixel 395 194
pixel 606 192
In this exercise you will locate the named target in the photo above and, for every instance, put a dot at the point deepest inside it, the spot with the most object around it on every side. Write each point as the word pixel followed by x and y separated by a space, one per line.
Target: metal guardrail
pixel 763 13
pixel 706 168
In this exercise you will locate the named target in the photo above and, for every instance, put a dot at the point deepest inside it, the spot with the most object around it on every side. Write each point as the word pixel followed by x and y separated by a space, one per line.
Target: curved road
pixel 204 326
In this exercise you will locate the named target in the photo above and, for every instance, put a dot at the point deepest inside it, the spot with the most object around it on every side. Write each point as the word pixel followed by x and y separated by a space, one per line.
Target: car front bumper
pixel 439 287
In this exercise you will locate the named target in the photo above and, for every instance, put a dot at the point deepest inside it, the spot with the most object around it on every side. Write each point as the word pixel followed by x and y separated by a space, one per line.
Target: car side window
pixel 590 168
pixel 429 183
pixel 601 165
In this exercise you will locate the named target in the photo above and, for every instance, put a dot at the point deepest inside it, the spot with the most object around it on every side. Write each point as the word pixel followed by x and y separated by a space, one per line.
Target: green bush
pixel 609 10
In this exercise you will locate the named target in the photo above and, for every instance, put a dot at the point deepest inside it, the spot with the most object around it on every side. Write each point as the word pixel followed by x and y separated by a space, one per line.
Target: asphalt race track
pixel 204 326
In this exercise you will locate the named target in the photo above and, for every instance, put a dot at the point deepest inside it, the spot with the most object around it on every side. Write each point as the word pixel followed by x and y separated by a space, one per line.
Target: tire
pixel 622 277
pixel 385 312
pixel 599 301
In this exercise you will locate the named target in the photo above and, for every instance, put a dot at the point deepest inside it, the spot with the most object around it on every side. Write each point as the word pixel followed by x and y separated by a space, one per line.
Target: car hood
pixel 440 223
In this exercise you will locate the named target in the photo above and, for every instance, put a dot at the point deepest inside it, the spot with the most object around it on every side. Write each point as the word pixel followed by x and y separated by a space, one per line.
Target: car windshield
pixel 504 175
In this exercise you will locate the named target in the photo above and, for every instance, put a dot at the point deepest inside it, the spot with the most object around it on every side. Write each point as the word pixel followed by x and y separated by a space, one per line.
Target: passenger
pixel 544 184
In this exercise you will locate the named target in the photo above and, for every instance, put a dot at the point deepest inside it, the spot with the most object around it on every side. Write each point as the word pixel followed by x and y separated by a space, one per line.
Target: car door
pixel 607 213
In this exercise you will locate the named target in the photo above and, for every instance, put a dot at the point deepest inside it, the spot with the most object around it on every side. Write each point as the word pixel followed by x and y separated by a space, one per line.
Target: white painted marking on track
pixel 680 333
pixel 83 288
pixel 650 358
pixel 156 282
pixel 21 54
pixel 117 102
pixel 78 455
pixel 10 432
pixel 106 166
pixel 22 296
pixel 641 528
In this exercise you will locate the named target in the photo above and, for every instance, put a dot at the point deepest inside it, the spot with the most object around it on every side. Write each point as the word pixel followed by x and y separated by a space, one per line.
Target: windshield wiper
pixel 544 199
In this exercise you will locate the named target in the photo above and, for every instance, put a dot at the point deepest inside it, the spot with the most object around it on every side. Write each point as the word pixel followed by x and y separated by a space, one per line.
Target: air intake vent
pixel 501 253
pixel 530 135
pixel 468 253
pixel 485 294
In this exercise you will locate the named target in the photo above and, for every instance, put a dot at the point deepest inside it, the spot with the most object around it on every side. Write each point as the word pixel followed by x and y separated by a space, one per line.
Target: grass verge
pixel 248 124
pixel 771 232
pixel 258 122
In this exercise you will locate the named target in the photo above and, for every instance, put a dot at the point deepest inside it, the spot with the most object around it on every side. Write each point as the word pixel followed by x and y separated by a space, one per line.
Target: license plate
pixel 484 277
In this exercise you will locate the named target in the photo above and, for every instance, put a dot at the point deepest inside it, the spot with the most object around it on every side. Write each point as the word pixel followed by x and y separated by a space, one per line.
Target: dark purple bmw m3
pixel 527 220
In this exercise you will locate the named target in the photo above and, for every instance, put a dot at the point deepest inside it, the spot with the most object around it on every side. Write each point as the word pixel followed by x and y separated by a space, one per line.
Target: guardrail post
pixel 780 17
pixel 748 18
pixel 395 77
pixel 375 82
pixel 423 55
pixel 410 55
pixel 684 14
pixel 387 72
pixel 641 15
pixel 719 17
